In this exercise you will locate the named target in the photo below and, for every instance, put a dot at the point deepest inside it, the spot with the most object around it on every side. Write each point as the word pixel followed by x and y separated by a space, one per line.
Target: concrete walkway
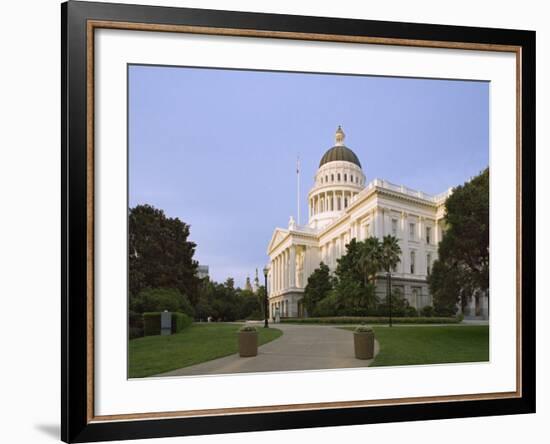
pixel 301 347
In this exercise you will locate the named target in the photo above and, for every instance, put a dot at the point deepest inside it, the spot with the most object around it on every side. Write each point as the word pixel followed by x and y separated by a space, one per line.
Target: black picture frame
pixel 76 424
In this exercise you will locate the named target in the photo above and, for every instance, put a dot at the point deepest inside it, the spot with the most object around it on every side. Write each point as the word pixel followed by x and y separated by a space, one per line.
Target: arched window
pixel 345 177
pixel 332 177
pixel 351 178
pixel 338 177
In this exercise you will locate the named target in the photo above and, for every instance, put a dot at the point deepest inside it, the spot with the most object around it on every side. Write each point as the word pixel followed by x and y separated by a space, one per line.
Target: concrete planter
pixel 364 345
pixel 248 343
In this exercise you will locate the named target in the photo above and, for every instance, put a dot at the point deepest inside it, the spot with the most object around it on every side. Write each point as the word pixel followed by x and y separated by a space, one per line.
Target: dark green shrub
pixel 135 325
pixel 255 316
pixel 152 323
pixel 428 311
pixel 399 306
pixel 410 312
pixel 152 300
pixel 328 306
pixel 180 321
pixel 440 310
pixel 370 320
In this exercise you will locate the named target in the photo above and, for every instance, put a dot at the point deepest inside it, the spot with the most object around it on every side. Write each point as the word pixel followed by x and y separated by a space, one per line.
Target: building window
pixel 394 227
pixel 412 261
pixel 339 203
pixel 428 263
pixel 332 177
pixel 345 202
pixel 338 177
pixel 367 230
pixel 411 231
pixel 345 177
pixel 351 178
pixel 428 234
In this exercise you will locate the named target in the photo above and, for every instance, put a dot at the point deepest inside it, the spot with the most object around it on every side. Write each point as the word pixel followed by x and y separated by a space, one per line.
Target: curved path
pixel 301 347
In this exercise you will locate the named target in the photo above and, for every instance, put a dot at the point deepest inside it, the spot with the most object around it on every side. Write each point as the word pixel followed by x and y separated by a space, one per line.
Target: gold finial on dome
pixel 340 136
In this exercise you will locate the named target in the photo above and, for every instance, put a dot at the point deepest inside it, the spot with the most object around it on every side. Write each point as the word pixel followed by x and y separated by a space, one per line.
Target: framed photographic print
pixel 275 221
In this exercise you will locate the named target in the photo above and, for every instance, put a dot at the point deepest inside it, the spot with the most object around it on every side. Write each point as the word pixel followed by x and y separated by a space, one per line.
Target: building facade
pixel 343 206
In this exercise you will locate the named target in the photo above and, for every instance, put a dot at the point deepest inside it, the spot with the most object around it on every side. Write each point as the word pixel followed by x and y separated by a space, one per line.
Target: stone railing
pixel 381 183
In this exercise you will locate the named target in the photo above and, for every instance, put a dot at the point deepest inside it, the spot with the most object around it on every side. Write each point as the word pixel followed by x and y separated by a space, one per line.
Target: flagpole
pixel 298 188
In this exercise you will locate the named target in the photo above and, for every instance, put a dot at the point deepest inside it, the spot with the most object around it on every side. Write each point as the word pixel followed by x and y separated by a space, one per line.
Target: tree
pixel 159 253
pixel 388 260
pixel 319 284
pixel 463 264
pixel 390 252
pixel 369 259
pixel 160 299
pixel 260 296
pixel 355 273
pixel 248 304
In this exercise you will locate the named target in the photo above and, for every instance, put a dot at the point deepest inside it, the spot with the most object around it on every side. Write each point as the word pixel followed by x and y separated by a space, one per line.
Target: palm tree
pixel 389 258
pixel 369 259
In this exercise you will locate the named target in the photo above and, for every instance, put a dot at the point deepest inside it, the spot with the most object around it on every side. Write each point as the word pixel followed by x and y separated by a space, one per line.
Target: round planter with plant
pixel 363 340
pixel 248 341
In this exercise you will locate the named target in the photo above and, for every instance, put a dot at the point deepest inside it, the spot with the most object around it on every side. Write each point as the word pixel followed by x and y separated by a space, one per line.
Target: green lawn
pixel 431 345
pixel 198 343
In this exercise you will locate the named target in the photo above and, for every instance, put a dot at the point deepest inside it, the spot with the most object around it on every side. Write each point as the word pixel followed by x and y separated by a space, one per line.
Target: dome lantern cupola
pixel 340 152
pixel 340 136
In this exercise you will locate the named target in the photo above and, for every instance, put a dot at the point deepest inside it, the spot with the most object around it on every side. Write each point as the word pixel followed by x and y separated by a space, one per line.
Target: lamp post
pixel 388 284
pixel 266 310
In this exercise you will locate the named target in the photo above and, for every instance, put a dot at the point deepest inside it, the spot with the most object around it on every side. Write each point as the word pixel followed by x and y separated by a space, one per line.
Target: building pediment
pixel 278 236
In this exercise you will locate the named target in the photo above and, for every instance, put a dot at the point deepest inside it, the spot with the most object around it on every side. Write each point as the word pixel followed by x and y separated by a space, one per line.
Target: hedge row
pixel 151 323
pixel 371 320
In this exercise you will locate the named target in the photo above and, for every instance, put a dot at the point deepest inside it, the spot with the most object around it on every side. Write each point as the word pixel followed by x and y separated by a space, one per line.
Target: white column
pixel 285 270
pixel 276 274
pixel 292 267
pixel 279 272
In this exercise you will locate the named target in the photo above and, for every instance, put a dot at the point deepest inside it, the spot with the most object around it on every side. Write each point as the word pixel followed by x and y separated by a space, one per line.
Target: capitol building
pixel 343 205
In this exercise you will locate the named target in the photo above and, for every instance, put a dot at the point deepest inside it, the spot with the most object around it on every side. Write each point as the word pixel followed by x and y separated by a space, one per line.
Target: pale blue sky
pixel 217 148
